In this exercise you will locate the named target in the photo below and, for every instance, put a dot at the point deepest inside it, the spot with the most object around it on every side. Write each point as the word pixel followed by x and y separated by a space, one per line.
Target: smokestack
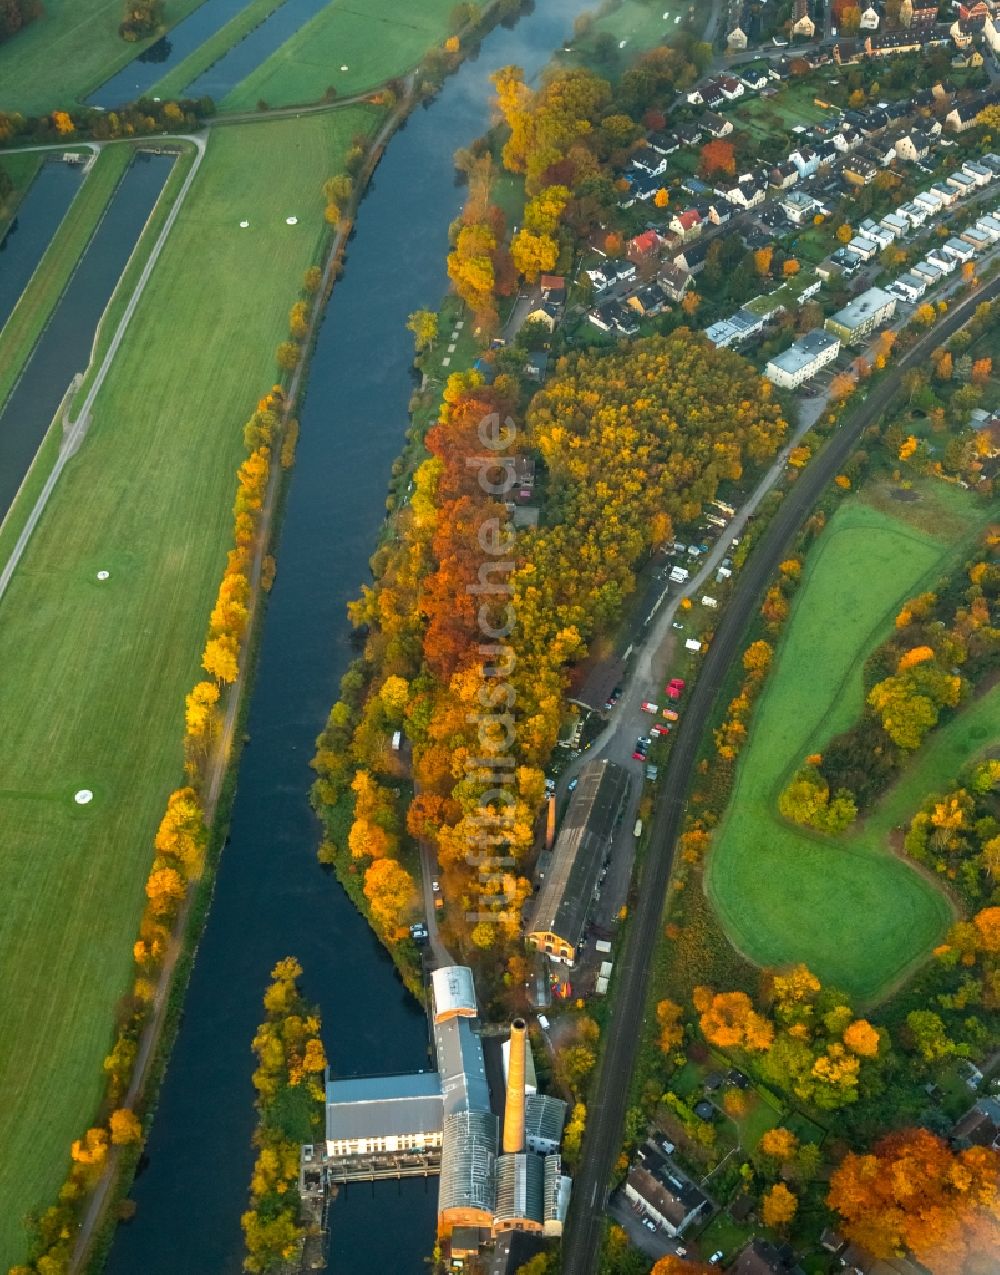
pixel 513 1116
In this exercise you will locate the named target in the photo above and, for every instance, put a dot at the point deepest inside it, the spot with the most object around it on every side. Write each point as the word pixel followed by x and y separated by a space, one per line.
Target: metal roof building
pixel 383 1106
pixel 520 1192
pixel 588 828
pixel 467 1189
pixel 461 1066
pixel 544 1117
pixel 454 993
pixel 556 1193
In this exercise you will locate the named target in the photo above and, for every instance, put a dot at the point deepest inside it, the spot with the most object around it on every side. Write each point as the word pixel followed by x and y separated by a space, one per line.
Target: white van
pixel 637 830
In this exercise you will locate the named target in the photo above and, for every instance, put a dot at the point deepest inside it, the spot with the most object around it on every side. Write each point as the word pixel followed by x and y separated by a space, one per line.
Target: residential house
pixel 912 147
pixel 962 182
pixel 797 206
pixel 673 279
pixel 602 277
pixel 930 201
pixel 720 212
pixel 846 259
pixel 979 173
pixel 862 316
pixel 963 115
pixel 865 248
pixel 664 143
pixel 748 191
pixel 553 288
pixel 989 225
pixel 960 249
pixel 942 260
pixel 545 313
pixel 755 81
pixel 929 271
pixel 761 1257
pixel 692 256
pixel 601 319
pixel 660 1190
pixel 882 151
pixel 802 23
pixel 948 194
pixel 687 224
pixel 918 13
pixel 806 161
pixel 641 190
pixel 896 225
pixel 731 87
pixel 869 19
pixel 736 38
pixel 783 176
pixel 736 329
pixel 979 240
pixel 651 300
pixel 642 247
pixel 803 360
pixel 859 171
pixel 694 97
pixel 649 161
pixel 908 287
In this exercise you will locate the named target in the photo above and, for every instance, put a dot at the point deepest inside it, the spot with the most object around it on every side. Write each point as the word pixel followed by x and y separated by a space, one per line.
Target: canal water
pixel 152 64
pixel 244 57
pixel 64 347
pixel 271 898
pixel 36 221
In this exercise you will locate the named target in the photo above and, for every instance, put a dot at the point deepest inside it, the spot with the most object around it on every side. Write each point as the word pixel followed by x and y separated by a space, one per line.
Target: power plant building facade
pixel 444 1121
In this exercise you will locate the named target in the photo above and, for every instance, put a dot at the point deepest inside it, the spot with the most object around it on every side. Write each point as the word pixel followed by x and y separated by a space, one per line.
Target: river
pixel 271 897
pixel 37 218
pixel 64 347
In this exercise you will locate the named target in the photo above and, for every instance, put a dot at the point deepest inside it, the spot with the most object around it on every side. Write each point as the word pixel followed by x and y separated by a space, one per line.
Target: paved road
pixel 608 1101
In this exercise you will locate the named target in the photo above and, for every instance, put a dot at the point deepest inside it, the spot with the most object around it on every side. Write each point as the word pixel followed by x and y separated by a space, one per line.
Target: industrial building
pixel 584 843
pixel 862 316
pixel 443 1121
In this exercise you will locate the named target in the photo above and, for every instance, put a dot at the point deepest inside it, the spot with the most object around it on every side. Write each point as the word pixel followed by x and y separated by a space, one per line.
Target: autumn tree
pixel 778 1143
pixel 912 1192
pixel 424 326
pixel 674 1265
pixel 762 259
pixel 670 1015
pixel 125 1127
pixel 388 888
pixel 718 156
pixel 730 1021
pixel 778 1206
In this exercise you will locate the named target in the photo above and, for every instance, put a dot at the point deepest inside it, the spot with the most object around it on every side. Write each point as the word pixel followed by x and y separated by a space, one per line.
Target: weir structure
pixel 447 1122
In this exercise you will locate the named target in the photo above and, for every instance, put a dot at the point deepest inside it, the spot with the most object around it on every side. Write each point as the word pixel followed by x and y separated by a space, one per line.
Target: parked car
pixel 649 1224
pixel 572 784
pixel 716 1257
pixel 648 706
pixel 659 730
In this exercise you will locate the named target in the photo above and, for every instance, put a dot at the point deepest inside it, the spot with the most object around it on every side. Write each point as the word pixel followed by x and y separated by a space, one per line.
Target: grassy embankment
pixel 856 914
pixel 376 40
pixel 176 81
pixel 70 50
pixel 95 674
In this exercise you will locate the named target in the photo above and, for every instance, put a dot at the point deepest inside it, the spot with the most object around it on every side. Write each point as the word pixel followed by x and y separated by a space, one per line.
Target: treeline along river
pixel 271 897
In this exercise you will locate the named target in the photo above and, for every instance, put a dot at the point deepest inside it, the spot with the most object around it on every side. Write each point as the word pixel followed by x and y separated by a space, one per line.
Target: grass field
pixel 95 674
pixel 375 39
pixel 853 912
pixel 68 52
pixel 30 315
pixel 638 22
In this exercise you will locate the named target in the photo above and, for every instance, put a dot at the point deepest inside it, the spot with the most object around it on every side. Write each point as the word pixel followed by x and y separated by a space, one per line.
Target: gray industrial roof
pixel 468 1161
pixel 454 991
pixel 858 310
pixel 586 833
pixel 461 1066
pixel 520 1187
pixel 544 1117
pixel 383 1106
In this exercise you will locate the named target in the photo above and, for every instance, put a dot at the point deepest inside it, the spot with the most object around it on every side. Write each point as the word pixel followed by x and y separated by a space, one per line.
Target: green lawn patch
pixel 37 301
pixel 95 674
pixel 70 50
pixel 854 913
pixel 375 39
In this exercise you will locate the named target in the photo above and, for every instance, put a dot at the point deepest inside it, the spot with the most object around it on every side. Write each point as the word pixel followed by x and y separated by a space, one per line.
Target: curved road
pixel 610 1096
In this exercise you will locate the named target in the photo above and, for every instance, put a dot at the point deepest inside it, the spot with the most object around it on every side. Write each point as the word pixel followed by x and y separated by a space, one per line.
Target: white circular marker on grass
pixel 345 67
pixel 244 224
pixel 103 575
pixel 84 797
pixel 291 221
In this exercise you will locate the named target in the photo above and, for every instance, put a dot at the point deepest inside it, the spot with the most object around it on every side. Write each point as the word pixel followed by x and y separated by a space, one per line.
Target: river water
pixel 271 898
pixel 38 216
pixel 64 347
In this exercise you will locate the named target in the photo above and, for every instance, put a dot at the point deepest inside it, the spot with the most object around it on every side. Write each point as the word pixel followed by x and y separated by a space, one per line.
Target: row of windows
pixel 397 1142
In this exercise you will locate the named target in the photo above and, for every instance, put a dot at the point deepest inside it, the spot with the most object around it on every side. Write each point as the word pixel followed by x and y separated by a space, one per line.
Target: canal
pixel 35 222
pixel 64 347
pixel 152 64
pixel 271 897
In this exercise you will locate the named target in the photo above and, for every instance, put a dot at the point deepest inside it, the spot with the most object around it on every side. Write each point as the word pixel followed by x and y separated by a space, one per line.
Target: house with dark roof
pixel 980 1126
pixel 661 1191
pixel 761 1257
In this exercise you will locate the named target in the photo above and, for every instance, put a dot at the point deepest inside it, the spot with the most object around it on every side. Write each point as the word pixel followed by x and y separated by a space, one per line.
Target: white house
pixel 958 249
pixel 869 19
pixel 909 287
pixel 896 225
pixel 865 248
pixel 803 360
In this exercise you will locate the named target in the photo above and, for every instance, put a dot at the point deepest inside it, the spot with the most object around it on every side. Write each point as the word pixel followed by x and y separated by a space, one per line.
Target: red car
pixel 659 729
pixel 648 706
